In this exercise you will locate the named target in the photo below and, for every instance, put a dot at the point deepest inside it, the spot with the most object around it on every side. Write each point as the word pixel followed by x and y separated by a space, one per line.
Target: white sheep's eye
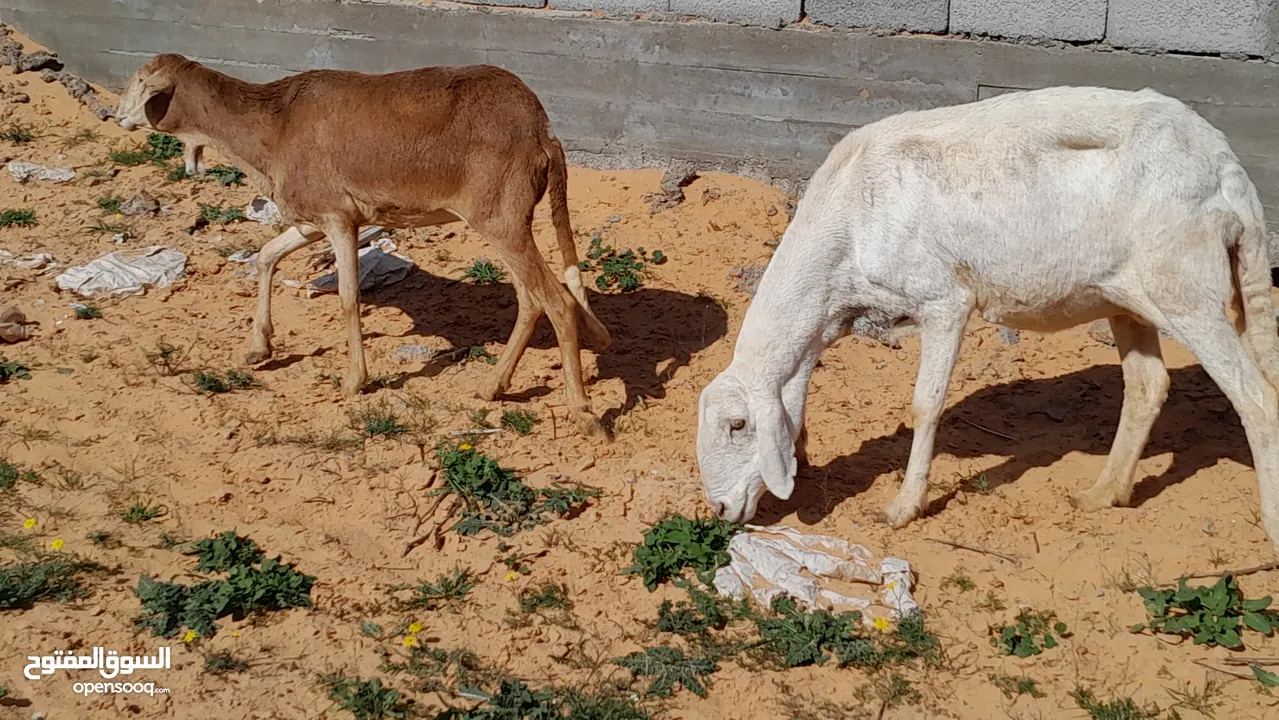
pixel 735 425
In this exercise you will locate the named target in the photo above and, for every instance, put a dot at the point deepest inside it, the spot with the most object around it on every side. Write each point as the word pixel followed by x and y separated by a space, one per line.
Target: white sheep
pixel 1041 210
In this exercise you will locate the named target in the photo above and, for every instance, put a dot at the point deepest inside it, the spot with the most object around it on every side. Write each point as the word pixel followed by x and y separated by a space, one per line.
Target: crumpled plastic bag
pixel 817 571
pixel 125 273
pixel 263 210
pixel 377 269
pixel 22 171
pixel 13 325
pixel 30 261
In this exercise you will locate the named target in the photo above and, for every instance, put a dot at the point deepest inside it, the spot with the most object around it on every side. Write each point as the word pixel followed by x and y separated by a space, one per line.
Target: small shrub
pixel 960 580
pixel 223 662
pixel 139 513
pixel 519 421
pixel 550 597
pixel 624 271
pixel 17 218
pixel 1013 687
pixel 225 175
pixel 211 382
pixel 1120 709
pixel 495 499
pixel 516 701
pixel 226 551
pixel 51 577
pixel 676 542
pixel 219 214
pixel 13 370
pixel 102 538
pixel 668 667
pixel 110 203
pixel 483 272
pixel 158 148
pixel 449 591
pixel 1212 615
pixel 17 134
pixel 1023 638
pixel 366 699
pixel 10 474
pixel 87 311
pixel 373 422
pixel 167 359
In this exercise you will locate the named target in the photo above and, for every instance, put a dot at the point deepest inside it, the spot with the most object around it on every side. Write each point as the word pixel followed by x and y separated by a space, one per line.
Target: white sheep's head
pixel 744 445
pixel 145 100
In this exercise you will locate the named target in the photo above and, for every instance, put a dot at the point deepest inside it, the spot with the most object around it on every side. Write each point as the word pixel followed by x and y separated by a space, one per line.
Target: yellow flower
pixel 881 624
pixel 891 585
pixel 190 636
pixel 415 627
pixel 410 641
pixel 511 576
pixel 235 633
pixel 56 544
pixel 464 446
pixel 118 216
pixel 29 523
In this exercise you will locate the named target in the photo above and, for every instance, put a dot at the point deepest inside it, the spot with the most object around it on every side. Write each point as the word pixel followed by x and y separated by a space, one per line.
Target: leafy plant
pixel 1212 615
pixel 483 272
pixel 17 134
pixel 549 597
pixel 223 662
pixel 1264 677
pixel 1120 709
pixel 226 551
pixel 17 218
pixel 793 638
pixel 271 585
pixel 495 499
pixel 668 666
pixel 225 175
pixel 209 381
pixel 449 590
pixel 375 421
pixel 10 474
pixel 516 701
pixel 219 214
pixel 87 311
pixel 158 148
pixel 49 577
pixel 1013 687
pixel 139 513
pixel 960 580
pixel 519 421
pixel 624 271
pixel 675 543
pixel 435 665
pixel 366 699
pixel 167 359
pixel 110 203
pixel 1023 638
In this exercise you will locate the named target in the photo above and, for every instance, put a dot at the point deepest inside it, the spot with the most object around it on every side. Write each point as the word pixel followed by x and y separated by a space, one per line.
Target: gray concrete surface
pixel 511 3
pixel 768 13
pixel 611 5
pixel 1074 20
pixel 914 15
pixel 764 103
pixel 1208 26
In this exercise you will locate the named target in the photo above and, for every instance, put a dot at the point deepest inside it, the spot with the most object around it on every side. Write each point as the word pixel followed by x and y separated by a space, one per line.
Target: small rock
pixel 613 219
pixel 20 98
pixel 1100 331
pixel 140 204
pixel 771 211
pixel 1010 336
pixel 38 60
pixel 1101 592
pixel 49 76
pixel 747 278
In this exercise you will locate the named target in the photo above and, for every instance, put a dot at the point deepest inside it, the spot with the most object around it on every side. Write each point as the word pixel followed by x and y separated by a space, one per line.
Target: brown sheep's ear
pixel 156 107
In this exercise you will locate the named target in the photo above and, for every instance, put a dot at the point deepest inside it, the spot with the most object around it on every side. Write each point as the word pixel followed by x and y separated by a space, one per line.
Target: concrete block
pixel 1206 26
pixel 914 15
pixel 769 13
pixel 509 3
pixel 1077 20
pixel 612 5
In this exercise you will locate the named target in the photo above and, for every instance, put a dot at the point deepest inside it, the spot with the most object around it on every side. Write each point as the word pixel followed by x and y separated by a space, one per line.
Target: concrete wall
pixel 626 93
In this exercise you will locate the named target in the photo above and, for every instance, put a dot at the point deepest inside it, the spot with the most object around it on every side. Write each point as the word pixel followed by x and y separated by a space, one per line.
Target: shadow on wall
pixel 654 331
pixel 1050 418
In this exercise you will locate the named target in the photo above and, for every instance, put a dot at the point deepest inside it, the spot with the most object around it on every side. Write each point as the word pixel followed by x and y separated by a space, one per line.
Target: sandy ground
pixel 1025 426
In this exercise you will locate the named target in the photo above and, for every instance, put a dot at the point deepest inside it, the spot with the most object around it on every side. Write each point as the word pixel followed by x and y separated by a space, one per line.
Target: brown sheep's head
pixel 145 101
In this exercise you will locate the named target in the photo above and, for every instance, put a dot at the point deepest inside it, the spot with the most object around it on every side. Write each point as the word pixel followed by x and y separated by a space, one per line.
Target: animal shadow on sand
pixel 1050 418
pixel 654 331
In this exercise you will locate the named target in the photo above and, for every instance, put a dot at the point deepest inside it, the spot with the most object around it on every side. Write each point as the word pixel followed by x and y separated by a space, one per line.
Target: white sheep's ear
pixel 773 442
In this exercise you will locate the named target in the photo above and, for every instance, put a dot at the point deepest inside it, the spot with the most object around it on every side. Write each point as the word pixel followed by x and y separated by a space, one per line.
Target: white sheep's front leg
pixel 193 157
pixel 269 256
pixel 940 339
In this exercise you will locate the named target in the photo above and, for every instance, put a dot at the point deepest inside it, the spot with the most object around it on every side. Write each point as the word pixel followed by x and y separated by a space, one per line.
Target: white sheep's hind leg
pixel 940 338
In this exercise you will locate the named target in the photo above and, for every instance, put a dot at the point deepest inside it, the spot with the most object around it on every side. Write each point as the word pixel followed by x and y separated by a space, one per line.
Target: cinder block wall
pixel 763 88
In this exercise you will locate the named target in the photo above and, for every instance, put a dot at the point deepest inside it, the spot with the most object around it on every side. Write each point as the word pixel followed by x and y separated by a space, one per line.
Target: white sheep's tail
pixel 1251 268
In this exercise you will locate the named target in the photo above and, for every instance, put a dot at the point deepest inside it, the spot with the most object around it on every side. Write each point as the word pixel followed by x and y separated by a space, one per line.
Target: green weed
pixel 494 499
pixel 226 551
pixel 209 381
pixel 377 421
pixel 1119 709
pixel 167 359
pixel 668 667
pixel 140 513
pixel 960 580
pixel 17 134
pixel 54 576
pixel 219 214
pixel 675 543
pixel 223 662
pixel 516 701
pixel 448 591
pixel 11 474
pixel 1023 639
pixel 1014 687
pixel 87 311
pixel 366 699
pixel 110 203
pixel 483 272
pixel 1212 615
pixel 519 421
pixel 625 270
pixel 225 175
pixel 17 218
pixel 158 148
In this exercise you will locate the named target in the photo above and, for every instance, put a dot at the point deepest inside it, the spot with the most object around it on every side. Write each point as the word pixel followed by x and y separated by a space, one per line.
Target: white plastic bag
pixel 125 273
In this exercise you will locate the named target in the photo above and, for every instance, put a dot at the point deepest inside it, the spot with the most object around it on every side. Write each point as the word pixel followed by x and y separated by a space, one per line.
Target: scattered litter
pixel 124 273
pixel 242 256
pixel 413 353
pixel 613 219
pixel 286 282
pixel 747 278
pixel 140 204
pixel 32 261
pixel 672 194
pixel 120 238
pixel 377 269
pixel 263 210
pixel 779 560
pixel 13 325
pixel 1010 336
pixel 22 171
pixel 324 258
